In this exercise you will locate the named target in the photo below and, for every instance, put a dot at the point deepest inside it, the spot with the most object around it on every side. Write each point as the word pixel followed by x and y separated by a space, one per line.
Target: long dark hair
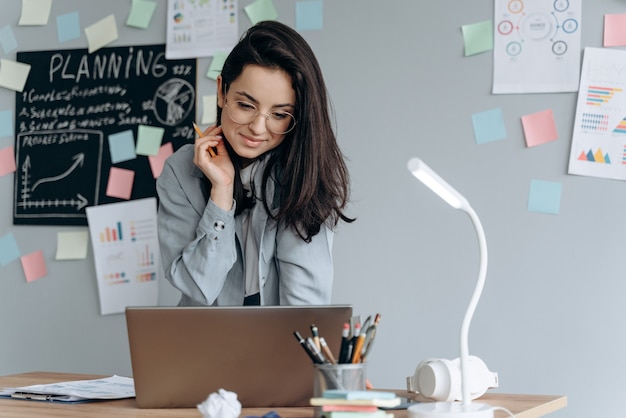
pixel 308 166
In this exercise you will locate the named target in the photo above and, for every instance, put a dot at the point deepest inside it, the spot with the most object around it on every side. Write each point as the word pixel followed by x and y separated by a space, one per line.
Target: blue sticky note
pixel 544 197
pixel 6 123
pixel 7 39
pixel 122 146
pixel 310 15
pixel 488 126
pixel 8 249
pixel 68 26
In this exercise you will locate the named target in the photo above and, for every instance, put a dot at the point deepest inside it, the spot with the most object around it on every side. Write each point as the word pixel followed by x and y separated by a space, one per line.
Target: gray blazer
pixel 202 254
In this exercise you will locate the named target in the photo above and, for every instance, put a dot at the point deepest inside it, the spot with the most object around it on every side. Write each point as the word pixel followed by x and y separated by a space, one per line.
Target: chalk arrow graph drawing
pixel 78 161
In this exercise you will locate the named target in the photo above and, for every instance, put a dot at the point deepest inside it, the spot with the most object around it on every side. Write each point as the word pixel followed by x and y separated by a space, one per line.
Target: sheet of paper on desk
pixel 114 387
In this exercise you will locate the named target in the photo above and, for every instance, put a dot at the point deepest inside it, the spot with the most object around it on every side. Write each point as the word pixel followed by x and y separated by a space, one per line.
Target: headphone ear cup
pixel 439 380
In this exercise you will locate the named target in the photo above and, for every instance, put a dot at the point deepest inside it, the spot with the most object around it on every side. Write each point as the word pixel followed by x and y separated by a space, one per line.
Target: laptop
pixel 180 355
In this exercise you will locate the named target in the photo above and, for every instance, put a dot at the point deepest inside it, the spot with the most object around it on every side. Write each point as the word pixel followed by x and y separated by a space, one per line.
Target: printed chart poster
pixel 200 28
pixel 80 115
pixel 126 252
pixel 536 46
pixel 599 138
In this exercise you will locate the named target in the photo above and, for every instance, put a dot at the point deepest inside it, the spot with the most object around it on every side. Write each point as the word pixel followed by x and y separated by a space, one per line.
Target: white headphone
pixel 440 379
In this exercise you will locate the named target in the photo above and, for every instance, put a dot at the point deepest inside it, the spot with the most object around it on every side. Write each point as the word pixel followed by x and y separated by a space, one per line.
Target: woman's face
pixel 270 92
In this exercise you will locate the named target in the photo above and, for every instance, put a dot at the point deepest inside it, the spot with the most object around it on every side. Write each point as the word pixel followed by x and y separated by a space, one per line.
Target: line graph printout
pixel 126 253
pixel 536 46
pixel 599 136
pixel 72 105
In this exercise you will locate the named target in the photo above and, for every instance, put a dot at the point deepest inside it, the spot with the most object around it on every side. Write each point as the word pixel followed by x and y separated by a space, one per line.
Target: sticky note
pixel 216 65
pixel 35 12
pixel 261 10
pixel 149 140
pixel 310 15
pixel 488 126
pixel 101 33
pixel 158 161
pixel 478 37
pixel 8 249
pixel 120 183
pixel 122 146
pixel 7 161
pixel 68 26
pixel 72 245
pixel 209 109
pixel 615 29
pixel 6 123
pixel 34 266
pixel 141 12
pixel 13 74
pixel 544 197
pixel 539 128
pixel 7 39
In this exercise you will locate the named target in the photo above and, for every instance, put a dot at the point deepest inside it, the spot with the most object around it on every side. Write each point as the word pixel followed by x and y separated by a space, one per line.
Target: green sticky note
pixel 216 65
pixel 149 140
pixel 261 10
pixel 478 37
pixel 141 12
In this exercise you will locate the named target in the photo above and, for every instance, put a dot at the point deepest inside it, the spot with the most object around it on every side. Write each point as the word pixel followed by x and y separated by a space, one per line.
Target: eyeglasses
pixel 244 113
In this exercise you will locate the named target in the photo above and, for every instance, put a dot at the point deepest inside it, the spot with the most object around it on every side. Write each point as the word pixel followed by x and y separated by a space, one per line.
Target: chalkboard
pixel 71 104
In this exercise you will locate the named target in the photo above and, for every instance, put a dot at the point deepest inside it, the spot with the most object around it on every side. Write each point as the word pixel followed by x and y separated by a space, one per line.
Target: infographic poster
pixel 126 252
pixel 536 46
pixel 599 136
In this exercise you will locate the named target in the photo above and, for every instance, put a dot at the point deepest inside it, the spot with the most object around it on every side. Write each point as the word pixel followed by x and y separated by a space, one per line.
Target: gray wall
pixel 551 317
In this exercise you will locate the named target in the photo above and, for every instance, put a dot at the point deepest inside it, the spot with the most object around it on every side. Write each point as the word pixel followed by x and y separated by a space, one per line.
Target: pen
pixel 327 352
pixel 344 351
pixel 357 341
pixel 371 333
pixel 316 337
pixel 310 353
pixel 200 133
pixel 317 353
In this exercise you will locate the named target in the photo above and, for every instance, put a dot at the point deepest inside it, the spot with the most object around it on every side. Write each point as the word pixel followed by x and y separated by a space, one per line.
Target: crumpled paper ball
pixel 223 404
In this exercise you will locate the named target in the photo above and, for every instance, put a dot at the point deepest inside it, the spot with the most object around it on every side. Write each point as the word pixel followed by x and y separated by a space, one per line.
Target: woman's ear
pixel 220 92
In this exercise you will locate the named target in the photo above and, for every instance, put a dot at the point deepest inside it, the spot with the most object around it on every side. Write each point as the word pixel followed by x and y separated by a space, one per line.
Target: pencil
pixel 200 133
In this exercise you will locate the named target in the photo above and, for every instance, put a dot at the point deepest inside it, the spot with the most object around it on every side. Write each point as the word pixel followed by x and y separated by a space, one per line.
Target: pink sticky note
pixel 539 128
pixel 34 266
pixel 7 161
pixel 158 161
pixel 120 183
pixel 615 30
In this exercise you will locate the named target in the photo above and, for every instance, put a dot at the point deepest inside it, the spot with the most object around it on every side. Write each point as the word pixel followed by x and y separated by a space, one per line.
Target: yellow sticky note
pixel 13 74
pixel 72 245
pixel 101 33
pixel 209 109
pixel 35 12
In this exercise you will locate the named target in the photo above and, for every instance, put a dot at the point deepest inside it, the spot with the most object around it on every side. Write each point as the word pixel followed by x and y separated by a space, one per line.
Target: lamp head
pixel 434 182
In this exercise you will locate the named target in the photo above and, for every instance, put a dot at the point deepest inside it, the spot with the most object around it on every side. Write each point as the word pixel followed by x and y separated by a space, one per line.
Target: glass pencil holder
pixel 349 376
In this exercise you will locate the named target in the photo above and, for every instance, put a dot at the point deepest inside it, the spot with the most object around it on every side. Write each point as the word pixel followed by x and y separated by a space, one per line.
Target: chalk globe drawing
pixel 173 101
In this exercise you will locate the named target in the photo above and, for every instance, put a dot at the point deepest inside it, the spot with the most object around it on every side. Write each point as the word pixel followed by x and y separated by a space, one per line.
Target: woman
pixel 247 212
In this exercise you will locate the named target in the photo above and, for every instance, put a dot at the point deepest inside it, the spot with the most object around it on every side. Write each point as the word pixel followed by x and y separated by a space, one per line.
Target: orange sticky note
pixel 615 30
pixel 539 128
pixel 34 266
pixel 120 183
pixel 158 161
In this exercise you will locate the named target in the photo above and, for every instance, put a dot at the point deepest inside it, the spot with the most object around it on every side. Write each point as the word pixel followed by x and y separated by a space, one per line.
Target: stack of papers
pixel 356 403
pixel 114 387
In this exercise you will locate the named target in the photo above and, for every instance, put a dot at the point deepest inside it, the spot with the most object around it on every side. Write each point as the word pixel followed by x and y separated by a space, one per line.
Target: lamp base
pixel 450 410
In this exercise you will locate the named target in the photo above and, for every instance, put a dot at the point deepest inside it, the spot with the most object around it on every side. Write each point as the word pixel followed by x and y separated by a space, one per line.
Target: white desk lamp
pixel 465 409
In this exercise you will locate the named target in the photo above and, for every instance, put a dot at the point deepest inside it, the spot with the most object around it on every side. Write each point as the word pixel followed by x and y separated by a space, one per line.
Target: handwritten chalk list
pixel 71 105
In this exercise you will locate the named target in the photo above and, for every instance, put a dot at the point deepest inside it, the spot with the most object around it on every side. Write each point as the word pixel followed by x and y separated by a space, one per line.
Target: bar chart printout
pixel 599 137
pixel 126 251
